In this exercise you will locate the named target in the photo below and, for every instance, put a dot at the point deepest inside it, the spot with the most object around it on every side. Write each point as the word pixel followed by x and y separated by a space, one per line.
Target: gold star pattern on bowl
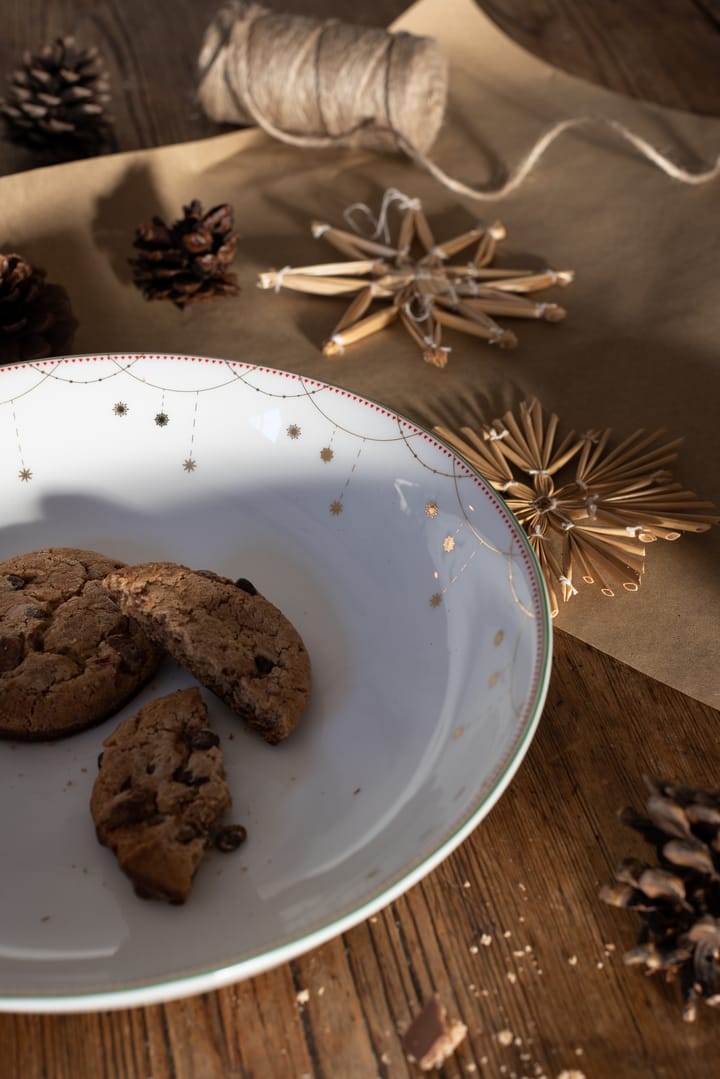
pixel 590 520
pixel 415 282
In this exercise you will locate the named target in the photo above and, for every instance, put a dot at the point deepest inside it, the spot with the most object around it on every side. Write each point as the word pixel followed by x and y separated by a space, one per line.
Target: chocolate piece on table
pixel 431 1037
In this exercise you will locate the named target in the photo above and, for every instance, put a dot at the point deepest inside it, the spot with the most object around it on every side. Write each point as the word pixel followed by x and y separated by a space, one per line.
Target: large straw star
pixel 415 283
pixel 590 521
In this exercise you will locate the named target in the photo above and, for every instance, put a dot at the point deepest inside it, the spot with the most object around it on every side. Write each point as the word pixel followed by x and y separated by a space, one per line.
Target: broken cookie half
pixel 230 637
pixel 160 795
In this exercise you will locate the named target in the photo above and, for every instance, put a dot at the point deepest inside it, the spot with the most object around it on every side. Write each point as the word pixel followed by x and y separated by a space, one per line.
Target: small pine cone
pixel 57 100
pixel 187 262
pixel 679 899
pixel 36 319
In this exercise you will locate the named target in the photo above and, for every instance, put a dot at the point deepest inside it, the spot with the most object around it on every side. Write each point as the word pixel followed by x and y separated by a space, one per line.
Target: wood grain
pixel 509 929
pixel 644 50
pixel 669 54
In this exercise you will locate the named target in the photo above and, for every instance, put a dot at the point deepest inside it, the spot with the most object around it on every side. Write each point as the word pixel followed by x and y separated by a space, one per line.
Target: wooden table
pixel 509 930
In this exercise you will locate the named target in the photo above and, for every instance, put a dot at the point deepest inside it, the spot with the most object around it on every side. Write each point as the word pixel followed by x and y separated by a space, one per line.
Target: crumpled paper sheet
pixel 640 346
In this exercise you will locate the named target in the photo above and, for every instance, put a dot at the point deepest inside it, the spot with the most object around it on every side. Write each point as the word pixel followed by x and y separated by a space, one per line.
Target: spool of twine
pixel 322 83
pixel 327 83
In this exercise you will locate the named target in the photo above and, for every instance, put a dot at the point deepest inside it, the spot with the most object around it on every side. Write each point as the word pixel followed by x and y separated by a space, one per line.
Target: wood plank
pixel 645 52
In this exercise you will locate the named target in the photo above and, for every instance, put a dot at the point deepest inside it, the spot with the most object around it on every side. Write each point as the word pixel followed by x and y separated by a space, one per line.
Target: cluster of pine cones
pixel 57 103
pixel 678 899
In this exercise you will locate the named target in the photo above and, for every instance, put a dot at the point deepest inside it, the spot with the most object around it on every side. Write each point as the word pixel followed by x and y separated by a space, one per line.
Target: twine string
pixel 563 580
pixel 324 83
pixel 379 225
pixel 422 314
pixel 321 83
pixel 280 276
pixel 526 165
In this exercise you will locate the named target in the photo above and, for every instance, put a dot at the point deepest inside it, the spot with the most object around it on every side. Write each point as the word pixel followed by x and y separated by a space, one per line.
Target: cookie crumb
pixel 302 996
pixel 572 960
pixel 571 1073
pixel 504 1037
pixel 474 949
pixel 511 977
pixel 431 1038
pixel 486 940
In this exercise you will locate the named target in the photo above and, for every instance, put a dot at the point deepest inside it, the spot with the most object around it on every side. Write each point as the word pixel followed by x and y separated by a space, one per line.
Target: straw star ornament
pixel 588 509
pixel 414 282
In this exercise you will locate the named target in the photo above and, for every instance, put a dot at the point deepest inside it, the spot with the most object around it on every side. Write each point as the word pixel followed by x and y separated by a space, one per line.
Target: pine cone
pixel 187 262
pixel 57 100
pixel 678 900
pixel 36 319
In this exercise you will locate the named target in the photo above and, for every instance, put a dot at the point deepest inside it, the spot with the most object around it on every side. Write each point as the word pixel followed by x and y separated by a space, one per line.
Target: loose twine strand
pixel 316 84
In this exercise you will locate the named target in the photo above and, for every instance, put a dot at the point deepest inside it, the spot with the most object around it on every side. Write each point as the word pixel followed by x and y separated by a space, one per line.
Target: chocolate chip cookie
pixel 68 656
pixel 232 639
pixel 159 794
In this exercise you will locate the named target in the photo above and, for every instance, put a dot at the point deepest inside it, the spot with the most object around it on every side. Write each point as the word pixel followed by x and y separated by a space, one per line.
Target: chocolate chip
pixel 15 582
pixel 131 656
pixel 247 586
pixel 263 664
pixel 12 650
pixel 229 837
pixel 34 612
pixel 184 775
pixel 204 739
pixel 189 831
pixel 150 768
pixel 139 806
